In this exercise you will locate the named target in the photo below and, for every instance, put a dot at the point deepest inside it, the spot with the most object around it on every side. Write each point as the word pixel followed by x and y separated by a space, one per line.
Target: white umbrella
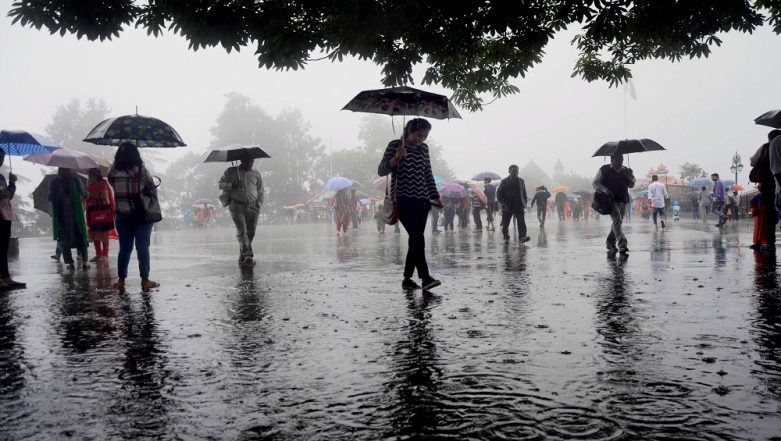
pixel 64 158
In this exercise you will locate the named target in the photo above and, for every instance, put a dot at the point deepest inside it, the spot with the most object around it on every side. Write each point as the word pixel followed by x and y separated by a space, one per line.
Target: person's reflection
pixel 345 250
pixel 81 327
pixel 719 251
pixel 660 252
pixel 143 372
pixel 542 238
pixel 11 354
pixel 767 324
pixel 515 258
pixel 616 320
pixel 249 306
pixel 418 372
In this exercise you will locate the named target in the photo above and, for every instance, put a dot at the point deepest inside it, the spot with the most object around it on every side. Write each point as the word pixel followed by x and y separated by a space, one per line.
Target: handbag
pixel 7 211
pixel 390 208
pixel 225 198
pixel 148 205
pixel 601 203
pixel 100 217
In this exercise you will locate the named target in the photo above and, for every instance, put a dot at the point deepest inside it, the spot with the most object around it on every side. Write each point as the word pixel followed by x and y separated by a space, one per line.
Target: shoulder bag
pixel 148 205
pixel 601 203
pixel 390 208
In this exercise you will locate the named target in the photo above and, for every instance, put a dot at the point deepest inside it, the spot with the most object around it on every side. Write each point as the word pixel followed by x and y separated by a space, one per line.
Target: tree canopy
pixel 473 48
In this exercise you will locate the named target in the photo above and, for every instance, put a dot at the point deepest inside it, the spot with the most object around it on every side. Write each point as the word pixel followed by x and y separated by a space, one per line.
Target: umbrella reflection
pixel 542 238
pixel 11 354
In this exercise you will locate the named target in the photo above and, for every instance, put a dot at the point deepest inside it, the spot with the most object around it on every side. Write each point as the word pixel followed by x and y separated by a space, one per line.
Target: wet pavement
pixel 681 340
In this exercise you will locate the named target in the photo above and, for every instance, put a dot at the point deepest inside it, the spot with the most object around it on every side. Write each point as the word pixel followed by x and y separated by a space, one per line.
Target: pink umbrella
pixel 478 191
pixel 64 158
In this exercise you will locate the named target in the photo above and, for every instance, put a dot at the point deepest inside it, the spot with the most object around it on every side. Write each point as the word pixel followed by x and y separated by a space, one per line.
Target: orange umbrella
pixel 561 189
pixel 737 187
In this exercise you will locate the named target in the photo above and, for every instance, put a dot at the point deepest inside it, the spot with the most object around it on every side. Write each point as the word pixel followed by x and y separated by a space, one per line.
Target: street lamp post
pixel 736 167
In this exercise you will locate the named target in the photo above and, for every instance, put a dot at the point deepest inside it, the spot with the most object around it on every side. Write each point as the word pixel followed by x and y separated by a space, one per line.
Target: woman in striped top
pixel 408 160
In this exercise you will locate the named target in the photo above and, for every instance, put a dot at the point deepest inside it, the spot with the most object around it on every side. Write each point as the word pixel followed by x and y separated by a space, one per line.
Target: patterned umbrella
pixel 338 183
pixel 143 131
pixel 403 101
pixel 453 190
pixel 486 175
pixel 21 143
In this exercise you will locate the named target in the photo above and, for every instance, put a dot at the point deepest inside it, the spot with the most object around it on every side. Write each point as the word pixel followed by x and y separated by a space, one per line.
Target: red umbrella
pixel 737 187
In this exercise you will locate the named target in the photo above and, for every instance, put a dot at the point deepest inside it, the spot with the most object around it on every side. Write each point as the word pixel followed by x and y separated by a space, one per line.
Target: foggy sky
pixel 702 110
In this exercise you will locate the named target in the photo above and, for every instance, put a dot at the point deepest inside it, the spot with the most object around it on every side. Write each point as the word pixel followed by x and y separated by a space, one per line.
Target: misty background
pixel 701 110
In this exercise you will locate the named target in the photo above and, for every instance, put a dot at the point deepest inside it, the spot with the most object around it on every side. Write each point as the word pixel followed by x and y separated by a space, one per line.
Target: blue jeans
pixel 131 231
pixel 660 212
pixel 718 208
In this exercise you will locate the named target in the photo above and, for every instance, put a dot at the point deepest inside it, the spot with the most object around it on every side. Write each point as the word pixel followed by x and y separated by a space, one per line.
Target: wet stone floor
pixel 547 340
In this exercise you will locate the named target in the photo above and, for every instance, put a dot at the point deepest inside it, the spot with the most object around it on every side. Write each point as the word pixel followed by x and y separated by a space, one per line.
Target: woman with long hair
pixel 129 178
pixel 69 227
pixel 342 209
pixel 415 191
pixel 7 191
pixel 100 213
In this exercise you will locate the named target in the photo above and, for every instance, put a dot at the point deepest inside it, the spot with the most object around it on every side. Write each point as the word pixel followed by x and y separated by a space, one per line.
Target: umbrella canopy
pixel 380 183
pixel 338 183
pixel 143 131
pixel 478 191
pixel 453 190
pixel 235 152
pixel 486 175
pixel 438 181
pixel 737 187
pixel 771 119
pixel 21 143
pixel 203 205
pixel 560 189
pixel 627 146
pixel 642 194
pixel 65 158
pixel 41 193
pixel 582 192
pixel 403 101
pixel 702 182
pixel 203 201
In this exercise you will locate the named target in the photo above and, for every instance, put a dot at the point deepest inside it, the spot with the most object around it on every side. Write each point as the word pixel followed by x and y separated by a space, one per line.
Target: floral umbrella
pixel 453 190
pixel 143 131
pixel 403 101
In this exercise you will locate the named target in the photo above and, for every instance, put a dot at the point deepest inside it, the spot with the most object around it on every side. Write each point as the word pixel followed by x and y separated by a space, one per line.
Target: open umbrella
pixel 235 152
pixel 21 143
pixel 737 187
pixel 770 119
pixel 380 183
pixel 41 193
pixel 560 189
pixel 478 191
pixel 403 101
pixel 203 201
pixel 338 183
pixel 486 175
pixel 453 190
pixel 438 181
pixel 64 158
pixel 627 146
pixel 143 131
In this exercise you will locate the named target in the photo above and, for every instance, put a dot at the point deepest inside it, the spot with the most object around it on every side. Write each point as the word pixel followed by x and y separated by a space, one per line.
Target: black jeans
pixel 413 215
pixel 476 216
pixel 520 221
pixel 5 239
pixel 542 212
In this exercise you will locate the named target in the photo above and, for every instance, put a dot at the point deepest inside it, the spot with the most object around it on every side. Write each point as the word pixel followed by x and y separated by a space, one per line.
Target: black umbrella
pixel 41 193
pixel 235 152
pixel 628 146
pixel 771 119
pixel 403 101
pixel 143 131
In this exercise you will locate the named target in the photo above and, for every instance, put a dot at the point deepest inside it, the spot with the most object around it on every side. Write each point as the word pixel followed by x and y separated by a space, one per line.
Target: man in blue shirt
pixel 718 196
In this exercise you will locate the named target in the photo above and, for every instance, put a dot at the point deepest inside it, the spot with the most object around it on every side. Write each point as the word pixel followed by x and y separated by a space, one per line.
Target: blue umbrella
pixel 727 183
pixel 438 181
pixel 486 175
pixel 21 143
pixel 338 183
pixel 702 182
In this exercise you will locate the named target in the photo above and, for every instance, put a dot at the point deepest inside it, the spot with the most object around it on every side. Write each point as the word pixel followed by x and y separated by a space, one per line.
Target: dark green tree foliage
pixel 472 47
pixel 690 171
pixel 72 122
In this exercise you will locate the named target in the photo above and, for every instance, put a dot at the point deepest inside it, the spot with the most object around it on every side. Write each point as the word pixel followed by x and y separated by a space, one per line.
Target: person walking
pixel 540 199
pixel 718 196
pixel 100 214
pixel 342 210
pixel 559 200
pixel 511 195
pixel 767 162
pixel 69 227
pixel 657 193
pixel 735 200
pixel 129 179
pixel 450 214
pixel 490 210
pixel 409 162
pixel 434 220
pixel 354 207
pixel 7 216
pixel 245 190
pixel 477 208
pixel 694 199
pixel 703 203
pixel 615 180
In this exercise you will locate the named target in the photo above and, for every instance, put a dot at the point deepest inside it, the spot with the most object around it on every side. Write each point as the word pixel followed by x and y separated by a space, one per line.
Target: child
pixel 676 211
pixel 757 208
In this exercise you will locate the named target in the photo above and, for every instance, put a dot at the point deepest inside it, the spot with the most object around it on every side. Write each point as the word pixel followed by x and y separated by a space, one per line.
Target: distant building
pixel 558 169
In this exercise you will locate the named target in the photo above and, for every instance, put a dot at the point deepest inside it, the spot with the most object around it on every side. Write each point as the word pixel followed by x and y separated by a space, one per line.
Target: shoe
pixel 663 225
pixel 506 237
pixel 147 285
pixel 719 225
pixel 13 284
pixel 430 283
pixel 408 283
pixel 95 259
pixel 85 266
pixel 755 246
pixel 119 285
pixel 526 239
pixel 72 266
pixel 55 257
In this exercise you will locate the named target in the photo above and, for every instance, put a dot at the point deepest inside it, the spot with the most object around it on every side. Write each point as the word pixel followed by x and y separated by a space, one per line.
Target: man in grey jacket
pixel 245 191
pixel 511 195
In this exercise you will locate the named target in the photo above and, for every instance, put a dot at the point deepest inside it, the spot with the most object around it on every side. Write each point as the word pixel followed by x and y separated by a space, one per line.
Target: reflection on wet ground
pixel 681 340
